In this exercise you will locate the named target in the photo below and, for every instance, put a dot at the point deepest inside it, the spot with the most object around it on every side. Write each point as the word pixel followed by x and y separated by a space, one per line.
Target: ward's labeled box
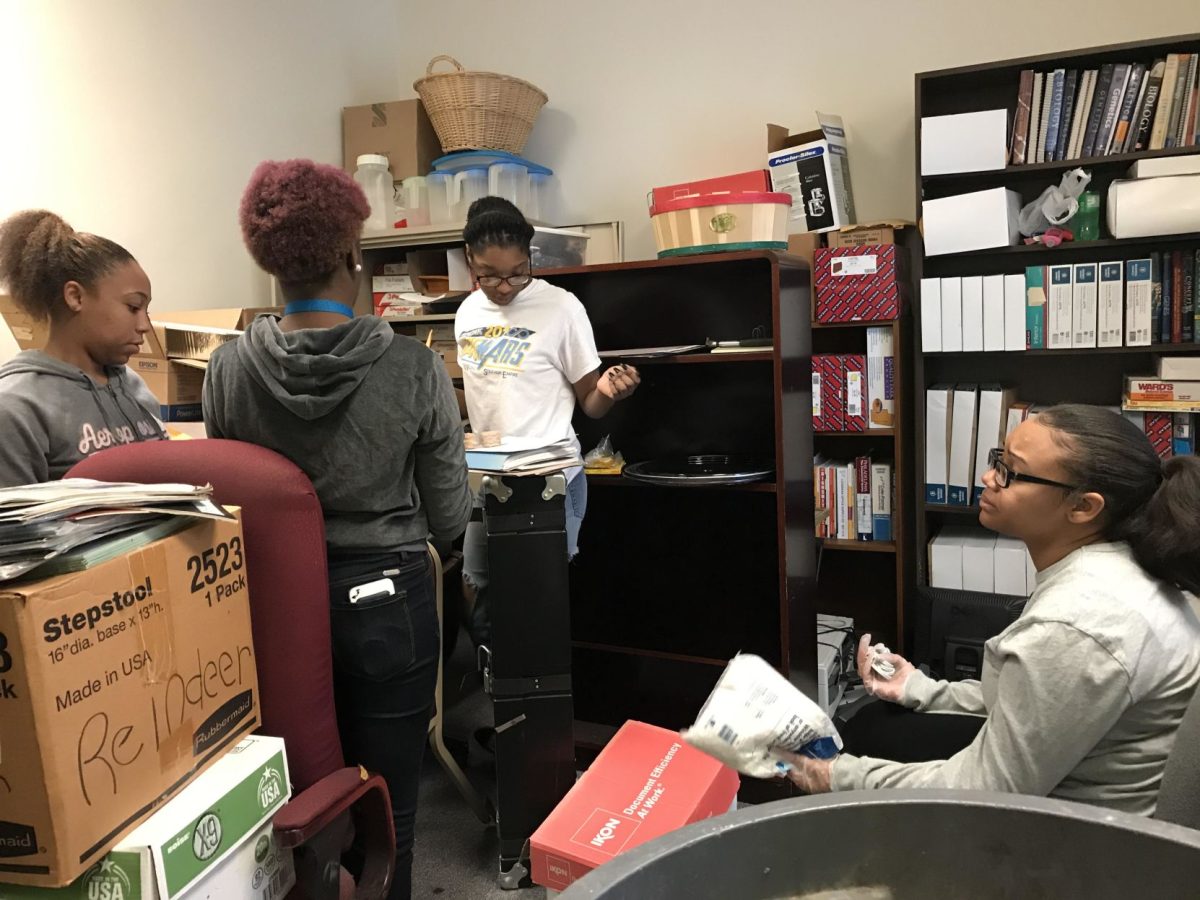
pixel 399 130
pixel 814 167
pixel 975 221
pixel 214 839
pixel 884 232
pixel 645 783
pixel 854 284
pixel 121 683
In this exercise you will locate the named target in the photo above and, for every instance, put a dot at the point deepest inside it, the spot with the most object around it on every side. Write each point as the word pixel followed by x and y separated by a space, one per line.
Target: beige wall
pixel 649 92
pixel 142 119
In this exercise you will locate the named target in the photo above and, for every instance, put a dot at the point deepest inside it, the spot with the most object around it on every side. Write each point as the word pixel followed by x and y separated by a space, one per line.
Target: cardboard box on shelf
pixel 213 839
pixel 814 167
pixel 645 783
pixel 964 142
pixel 975 221
pixel 122 683
pixel 400 130
pixel 828 393
pixel 857 283
pixel 28 332
pixel 871 233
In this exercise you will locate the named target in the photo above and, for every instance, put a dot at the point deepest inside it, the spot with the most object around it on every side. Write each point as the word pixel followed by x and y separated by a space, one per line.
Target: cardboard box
pixel 646 783
pixel 972 313
pixel 855 368
pixel 1160 429
pixel 1008 567
pixel 1014 312
pixel 1138 303
pixel 952 315
pixel 857 283
pixel 123 683
pixel 214 839
pixel 400 130
pixel 873 233
pixel 28 332
pixel 881 378
pixel 814 168
pixel 979 563
pixel 1179 368
pixel 939 413
pixel 1059 303
pixel 1157 390
pixel 993 313
pixel 931 315
pixel 961 473
pixel 975 221
pixel 828 393
pixel 965 142
pixel 946 559
pixel 1110 327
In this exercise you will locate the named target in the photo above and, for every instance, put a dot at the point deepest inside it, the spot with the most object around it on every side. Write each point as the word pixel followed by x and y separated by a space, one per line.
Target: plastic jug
pixel 539 196
pixel 374 178
pixel 416 200
pixel 441 191
pixel 469 185
pixel 510 181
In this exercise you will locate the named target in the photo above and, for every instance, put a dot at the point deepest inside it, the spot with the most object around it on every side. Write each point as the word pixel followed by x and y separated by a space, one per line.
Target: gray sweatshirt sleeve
pixel 440 469
pixel 924 694
pixel 24 445
pixel 210 404
pixel 1059 692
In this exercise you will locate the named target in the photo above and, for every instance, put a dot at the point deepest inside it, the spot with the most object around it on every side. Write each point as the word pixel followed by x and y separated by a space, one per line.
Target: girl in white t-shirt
pixel 528 357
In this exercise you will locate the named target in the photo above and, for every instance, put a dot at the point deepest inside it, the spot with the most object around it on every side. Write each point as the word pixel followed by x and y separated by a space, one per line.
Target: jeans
pixel 385 656
pixel 475 562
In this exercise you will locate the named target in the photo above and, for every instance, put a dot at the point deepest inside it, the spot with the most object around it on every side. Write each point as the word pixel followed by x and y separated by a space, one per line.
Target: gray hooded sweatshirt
pixel 52 415
pixel 370 417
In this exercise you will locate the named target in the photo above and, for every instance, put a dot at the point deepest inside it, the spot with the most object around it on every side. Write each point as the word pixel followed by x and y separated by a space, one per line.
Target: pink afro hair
pixel 300 218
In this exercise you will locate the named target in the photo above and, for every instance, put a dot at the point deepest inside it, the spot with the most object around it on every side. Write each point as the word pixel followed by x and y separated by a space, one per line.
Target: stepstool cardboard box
pixel 28 332
pixel 645 783
pixel 884 232
pixel 214 839
pixel 814 167
pixel 120 684
pixel 400 130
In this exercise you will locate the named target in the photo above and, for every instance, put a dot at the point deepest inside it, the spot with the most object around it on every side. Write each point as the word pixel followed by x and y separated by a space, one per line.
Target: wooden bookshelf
pixel 1042 377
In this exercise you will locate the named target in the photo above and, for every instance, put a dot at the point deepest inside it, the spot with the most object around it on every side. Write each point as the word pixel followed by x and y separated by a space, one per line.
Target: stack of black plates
pixel 701 469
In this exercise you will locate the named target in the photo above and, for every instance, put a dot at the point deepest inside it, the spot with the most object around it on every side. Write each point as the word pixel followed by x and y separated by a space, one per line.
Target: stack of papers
pixel 78 522
pixel 526 456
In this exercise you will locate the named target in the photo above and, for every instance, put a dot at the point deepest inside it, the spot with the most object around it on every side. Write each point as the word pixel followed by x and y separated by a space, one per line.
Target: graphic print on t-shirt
pixel 495 349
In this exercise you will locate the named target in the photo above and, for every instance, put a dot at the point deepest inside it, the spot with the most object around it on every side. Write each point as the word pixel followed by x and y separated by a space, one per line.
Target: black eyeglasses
pixel 1006 476
pixel 492 281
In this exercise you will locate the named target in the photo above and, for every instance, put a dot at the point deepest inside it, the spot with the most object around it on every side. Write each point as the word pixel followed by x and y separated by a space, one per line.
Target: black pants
pixel 385 655
pixel 889 731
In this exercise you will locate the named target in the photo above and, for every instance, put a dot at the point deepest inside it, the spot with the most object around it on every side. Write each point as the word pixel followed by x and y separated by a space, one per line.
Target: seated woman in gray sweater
pixel 1084 693
pixel 372 420
pixel 73 397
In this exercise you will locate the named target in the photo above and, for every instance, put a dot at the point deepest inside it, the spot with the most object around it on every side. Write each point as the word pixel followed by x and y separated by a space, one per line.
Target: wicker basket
pixel 478 110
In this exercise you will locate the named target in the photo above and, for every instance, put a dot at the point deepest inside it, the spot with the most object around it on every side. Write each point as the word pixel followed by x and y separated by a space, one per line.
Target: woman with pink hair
pixel 372 419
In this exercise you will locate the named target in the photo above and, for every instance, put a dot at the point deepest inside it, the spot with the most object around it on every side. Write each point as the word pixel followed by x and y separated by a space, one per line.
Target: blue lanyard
pixel 329 306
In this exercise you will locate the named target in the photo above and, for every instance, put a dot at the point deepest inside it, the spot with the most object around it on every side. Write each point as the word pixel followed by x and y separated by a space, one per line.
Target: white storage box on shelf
pixel 966 142
pixel 976 221
pixel 1148 207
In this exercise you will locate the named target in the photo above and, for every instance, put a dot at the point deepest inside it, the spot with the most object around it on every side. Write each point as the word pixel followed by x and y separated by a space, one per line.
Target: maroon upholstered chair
pixel 284 533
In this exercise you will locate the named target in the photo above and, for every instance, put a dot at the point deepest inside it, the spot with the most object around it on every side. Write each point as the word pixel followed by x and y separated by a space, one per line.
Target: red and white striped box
pixel 855 372
pixel 829 393
pixel 857 284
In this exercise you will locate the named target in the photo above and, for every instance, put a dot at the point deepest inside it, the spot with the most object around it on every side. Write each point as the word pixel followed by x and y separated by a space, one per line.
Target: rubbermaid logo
pixel 17 839
pixel 223 722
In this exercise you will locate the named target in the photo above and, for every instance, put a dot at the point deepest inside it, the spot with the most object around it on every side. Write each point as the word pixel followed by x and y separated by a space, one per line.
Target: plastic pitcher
pixel 539 196
pixel 510 181
pixel 469 185
pixel 441 192
pixel 416 200
pixel 374 178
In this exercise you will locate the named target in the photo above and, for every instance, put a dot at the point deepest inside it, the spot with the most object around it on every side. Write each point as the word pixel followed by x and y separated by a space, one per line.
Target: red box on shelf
pixel 756 181
pixel 1160 428
pixel 854 369
pixel 857 284
pixel 829 393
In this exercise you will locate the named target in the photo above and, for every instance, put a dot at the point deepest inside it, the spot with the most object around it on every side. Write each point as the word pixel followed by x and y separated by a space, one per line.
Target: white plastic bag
pixel 1056 205
pixel 753 710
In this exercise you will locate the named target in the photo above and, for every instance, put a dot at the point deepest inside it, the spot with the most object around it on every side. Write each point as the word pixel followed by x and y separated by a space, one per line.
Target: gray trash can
pixel 909 844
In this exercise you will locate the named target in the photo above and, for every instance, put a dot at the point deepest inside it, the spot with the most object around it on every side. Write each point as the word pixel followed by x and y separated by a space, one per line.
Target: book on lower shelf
pixel 853 498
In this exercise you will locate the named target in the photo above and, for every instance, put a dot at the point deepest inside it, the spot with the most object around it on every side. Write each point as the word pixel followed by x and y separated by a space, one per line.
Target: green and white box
pixel 212 840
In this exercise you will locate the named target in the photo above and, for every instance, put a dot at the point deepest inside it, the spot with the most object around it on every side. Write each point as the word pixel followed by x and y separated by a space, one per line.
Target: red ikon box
pixel 644 784
pixel 857 284
pixel 829 393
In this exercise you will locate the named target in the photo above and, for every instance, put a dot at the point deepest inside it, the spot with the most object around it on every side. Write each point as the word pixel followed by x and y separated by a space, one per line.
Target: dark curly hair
pixel 300 218
pixel 495 222
pixel 39 253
